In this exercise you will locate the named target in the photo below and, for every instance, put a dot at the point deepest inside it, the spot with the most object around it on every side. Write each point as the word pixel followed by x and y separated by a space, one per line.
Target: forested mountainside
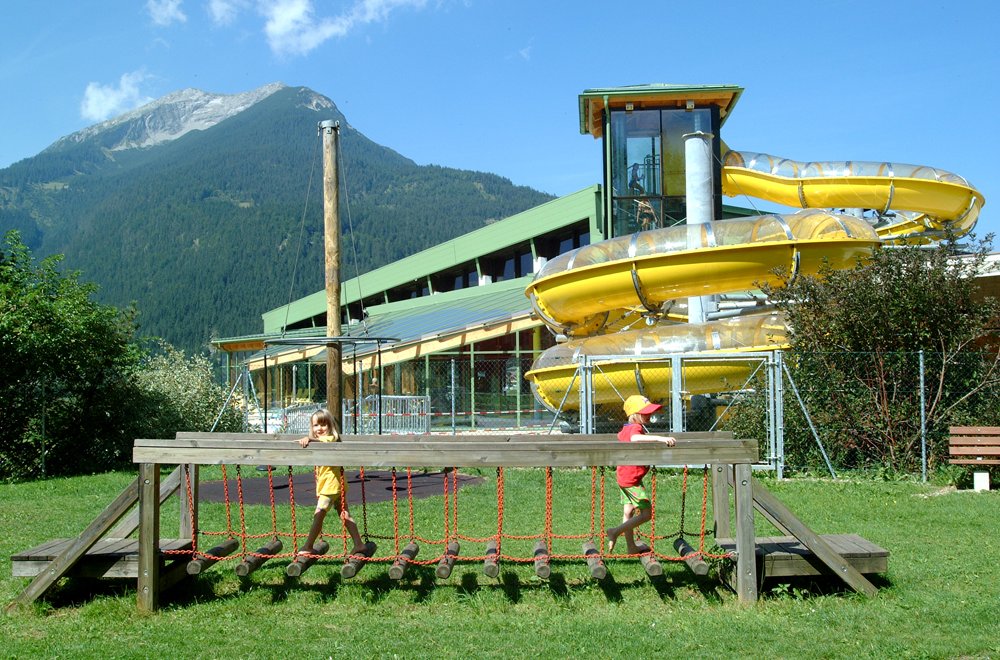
pixel 205 232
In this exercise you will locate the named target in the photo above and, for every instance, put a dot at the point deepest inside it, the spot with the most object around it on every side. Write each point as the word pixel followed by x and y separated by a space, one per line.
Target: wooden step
pixel 108 558
pixel 786 556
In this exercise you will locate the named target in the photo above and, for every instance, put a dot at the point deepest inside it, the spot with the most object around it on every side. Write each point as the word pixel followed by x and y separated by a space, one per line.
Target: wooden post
pixel 598 570
pixel 490 566
pixel 189 509
pixel 303 562
pixel 354 564
pixel 444 566
pixel 721 476
pixel 253 562
pixel 408 554
pixel 542 568
pixel 746 544
pixel 224 549
pixel 331 234
pixel 148 587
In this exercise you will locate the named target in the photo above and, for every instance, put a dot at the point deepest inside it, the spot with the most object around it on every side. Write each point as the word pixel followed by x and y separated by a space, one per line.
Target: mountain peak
pixel 167 118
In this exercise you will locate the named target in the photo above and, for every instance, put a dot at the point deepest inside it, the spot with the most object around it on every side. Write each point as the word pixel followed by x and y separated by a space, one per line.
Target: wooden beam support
pixel 127 525
pixel 721 478
pixel 746 548
pixel 148 588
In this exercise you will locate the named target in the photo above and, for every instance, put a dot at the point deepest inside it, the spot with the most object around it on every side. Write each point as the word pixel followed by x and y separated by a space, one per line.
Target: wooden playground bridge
pixel 105 548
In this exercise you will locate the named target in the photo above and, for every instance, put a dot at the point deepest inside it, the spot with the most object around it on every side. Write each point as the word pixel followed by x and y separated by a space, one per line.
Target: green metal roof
pixel 427 318
pixel 508 232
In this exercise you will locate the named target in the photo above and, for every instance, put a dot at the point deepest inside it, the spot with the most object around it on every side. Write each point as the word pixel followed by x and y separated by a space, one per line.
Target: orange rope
pixel 291 504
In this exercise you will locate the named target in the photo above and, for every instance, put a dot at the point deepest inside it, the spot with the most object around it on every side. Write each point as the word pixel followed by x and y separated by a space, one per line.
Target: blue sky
pixel 492 85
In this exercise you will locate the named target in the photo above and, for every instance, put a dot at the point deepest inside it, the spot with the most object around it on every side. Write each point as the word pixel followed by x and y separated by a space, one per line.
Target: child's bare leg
pixel 352 529
pixel 314 531
pixel 612 533
pixel 639 518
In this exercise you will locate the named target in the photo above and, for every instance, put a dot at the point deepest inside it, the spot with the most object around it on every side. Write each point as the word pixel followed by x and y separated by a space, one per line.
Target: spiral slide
pixel 597 294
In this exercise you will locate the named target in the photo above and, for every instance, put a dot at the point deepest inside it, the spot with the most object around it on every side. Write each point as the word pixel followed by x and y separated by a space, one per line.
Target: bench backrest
pixel 974 445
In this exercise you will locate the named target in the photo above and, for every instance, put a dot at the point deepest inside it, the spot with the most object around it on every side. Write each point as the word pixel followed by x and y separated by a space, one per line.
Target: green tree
pixel 179 393
pixel 67 364
pixel 856 340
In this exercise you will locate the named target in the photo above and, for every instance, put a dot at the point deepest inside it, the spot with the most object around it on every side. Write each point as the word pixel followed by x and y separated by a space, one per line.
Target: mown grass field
pixel 939 599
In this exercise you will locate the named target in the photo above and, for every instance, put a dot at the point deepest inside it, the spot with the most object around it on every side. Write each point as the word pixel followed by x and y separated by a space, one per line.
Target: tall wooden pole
pixel 331 235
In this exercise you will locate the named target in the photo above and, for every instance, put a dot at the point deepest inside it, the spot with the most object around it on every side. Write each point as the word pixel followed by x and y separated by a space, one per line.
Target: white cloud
pixel 165 12
pixel 291 28
pixel 223 12
pixel 101 102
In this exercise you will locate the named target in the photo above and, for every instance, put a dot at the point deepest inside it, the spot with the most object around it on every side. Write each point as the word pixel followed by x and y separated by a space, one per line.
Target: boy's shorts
pixel 636 496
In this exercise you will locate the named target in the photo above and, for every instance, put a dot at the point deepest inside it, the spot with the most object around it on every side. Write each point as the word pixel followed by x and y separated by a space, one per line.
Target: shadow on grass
pixel 421 581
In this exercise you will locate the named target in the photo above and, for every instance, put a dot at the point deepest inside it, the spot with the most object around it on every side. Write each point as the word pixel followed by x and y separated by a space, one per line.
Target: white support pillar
pixel 700 207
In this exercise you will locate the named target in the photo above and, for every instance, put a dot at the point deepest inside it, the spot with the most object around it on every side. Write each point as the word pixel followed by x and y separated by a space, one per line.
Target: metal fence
pixel 440 395
pixel 822 413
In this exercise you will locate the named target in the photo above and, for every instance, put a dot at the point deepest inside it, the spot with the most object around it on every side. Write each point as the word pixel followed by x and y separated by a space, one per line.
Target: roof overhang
pixel 367 357
pixel 593 102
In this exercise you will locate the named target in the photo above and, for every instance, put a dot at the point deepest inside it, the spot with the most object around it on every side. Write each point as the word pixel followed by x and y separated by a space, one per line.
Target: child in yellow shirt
pixel 331 489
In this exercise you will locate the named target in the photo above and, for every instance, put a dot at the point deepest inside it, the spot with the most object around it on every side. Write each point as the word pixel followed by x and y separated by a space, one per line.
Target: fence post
pixel 923 423
pixel 454 393
pixel 776 429
pixel 676 400
pixel 517 376
pixel 472 386
pixel 586 417
pixel 43 426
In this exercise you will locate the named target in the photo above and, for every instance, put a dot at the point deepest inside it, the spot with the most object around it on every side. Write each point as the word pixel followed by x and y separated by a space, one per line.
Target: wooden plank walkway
pixel 786 556
pixel 108 558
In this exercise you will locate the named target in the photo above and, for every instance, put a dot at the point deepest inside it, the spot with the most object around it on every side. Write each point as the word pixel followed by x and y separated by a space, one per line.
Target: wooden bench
pixel 975 445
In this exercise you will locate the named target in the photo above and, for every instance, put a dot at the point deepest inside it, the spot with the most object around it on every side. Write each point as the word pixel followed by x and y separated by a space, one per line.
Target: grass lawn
pixel 940 597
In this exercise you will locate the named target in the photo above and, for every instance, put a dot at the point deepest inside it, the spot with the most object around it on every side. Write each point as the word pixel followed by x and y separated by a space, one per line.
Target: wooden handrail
pixel 451 451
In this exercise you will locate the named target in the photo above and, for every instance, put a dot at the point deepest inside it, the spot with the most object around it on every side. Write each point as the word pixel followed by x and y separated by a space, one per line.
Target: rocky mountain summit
pixel 170 117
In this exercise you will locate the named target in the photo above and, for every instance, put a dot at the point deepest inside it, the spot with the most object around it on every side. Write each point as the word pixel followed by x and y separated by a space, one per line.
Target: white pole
pixel 700 206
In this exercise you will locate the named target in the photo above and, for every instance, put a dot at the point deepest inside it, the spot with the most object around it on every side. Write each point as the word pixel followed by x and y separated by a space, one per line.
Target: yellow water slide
pixel 912 202
pixel 614 298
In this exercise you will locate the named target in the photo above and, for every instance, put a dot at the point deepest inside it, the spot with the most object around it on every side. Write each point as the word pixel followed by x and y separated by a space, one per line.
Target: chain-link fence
pixel 823 413
pixel 450 394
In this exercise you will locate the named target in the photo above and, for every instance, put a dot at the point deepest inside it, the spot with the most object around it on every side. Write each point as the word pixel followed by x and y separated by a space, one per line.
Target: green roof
pixel 516 229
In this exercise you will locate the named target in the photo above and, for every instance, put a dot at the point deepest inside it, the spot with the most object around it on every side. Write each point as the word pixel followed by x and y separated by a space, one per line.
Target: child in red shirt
pixel 636 504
